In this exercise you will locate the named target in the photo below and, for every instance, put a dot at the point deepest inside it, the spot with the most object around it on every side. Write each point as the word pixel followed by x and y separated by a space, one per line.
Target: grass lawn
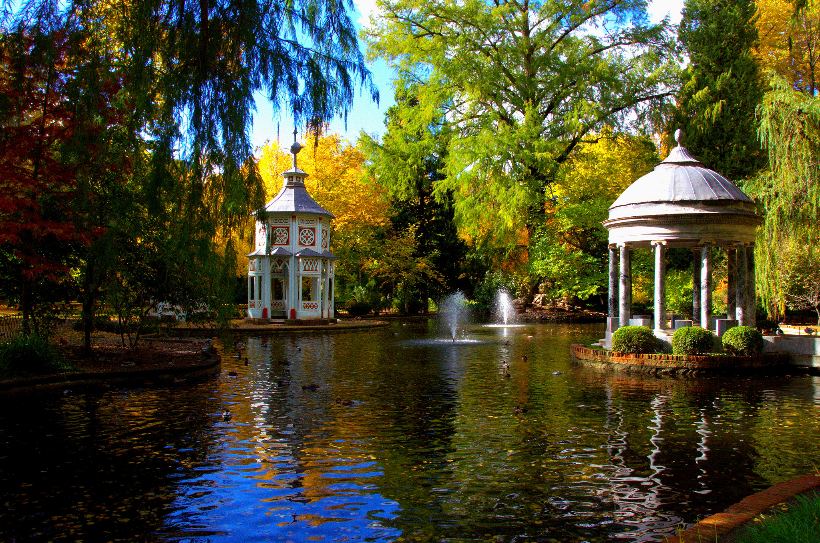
pixel 799 523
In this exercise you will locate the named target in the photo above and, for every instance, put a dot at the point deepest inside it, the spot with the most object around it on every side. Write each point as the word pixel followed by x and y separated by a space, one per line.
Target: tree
pixel 520 84
pixel 192 70
pixel 790 190
pixel 407 163
pixel 716 105
pixel 37 232
pixel 569 252
pixel 790 46
pixel 801 277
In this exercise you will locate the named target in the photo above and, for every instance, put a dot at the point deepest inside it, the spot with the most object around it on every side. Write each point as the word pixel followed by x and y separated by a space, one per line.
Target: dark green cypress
pixel 722 87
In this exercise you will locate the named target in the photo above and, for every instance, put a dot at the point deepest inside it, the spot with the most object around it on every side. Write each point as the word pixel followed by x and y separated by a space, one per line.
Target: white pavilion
pixel 290 272
pixel 682 203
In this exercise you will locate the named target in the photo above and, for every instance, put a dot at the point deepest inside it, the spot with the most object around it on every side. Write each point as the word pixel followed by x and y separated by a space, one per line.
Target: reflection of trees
pixel 98 465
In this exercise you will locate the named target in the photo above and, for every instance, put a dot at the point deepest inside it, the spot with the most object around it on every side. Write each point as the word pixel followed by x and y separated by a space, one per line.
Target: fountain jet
pixel 504 308
pixel 453 310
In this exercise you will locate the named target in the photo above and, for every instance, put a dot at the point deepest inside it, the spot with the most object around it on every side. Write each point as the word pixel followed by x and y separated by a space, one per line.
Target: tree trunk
pixel 26 305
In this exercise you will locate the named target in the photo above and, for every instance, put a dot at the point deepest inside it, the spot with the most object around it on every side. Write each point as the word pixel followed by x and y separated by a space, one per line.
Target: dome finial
pixel 295 148
pixel 677 137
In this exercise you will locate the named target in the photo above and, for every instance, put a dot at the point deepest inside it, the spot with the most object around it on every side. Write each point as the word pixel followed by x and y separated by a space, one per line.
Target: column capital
pixel 658 242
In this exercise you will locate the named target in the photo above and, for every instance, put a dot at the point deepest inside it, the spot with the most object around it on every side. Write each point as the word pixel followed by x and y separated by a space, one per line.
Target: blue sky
pixel 365 115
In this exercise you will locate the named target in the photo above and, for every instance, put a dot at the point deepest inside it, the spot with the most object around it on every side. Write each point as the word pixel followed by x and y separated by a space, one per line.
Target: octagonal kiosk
pixel 682 203
pixel 290 272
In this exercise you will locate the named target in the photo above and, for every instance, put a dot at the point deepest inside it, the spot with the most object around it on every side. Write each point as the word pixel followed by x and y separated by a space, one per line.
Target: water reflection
pixel 379 435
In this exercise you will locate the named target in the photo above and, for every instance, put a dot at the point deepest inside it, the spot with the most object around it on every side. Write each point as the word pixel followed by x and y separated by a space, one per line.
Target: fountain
pixel 453 311
pixel 504 309
pixel 453 319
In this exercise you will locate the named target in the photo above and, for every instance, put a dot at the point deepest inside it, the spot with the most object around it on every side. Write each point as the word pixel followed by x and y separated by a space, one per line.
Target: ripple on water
pixel 372 436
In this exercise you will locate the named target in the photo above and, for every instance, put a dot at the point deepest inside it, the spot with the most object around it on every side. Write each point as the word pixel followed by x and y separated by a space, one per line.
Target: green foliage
pixel 789 192
pixel 521 85
pixel 355 308
pixel 693 340
pixel 679 292
pixel 29 354
pixel 569 252
pixel 716 105
pixel 743 340
pixel 635 340
pixel 421 256
pixel 485 292
pixel 800 523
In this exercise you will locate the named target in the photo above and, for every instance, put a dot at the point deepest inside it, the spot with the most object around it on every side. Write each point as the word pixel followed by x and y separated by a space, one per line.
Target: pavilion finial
pixel 295 148
pixel 677 136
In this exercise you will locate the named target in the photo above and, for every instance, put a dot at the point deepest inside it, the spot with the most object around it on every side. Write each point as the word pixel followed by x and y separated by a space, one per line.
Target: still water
pixel 393 434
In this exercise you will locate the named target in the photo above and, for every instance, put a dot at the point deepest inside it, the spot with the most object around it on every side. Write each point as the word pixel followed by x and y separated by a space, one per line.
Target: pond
pixel 395 434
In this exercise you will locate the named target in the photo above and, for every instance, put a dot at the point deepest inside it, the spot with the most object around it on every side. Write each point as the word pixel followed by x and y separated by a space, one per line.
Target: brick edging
pixel 714 527
pixel 671 363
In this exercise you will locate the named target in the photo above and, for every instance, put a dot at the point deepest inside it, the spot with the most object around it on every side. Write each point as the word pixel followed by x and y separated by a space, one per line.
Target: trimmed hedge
pixel 693 340
pixel 635 340
pixel 743 340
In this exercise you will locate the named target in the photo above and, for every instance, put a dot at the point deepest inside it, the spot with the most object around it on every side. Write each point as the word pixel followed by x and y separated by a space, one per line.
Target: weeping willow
pixel 789 190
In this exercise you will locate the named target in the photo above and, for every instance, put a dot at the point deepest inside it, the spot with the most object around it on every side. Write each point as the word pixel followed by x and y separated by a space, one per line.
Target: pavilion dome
pixel 682 200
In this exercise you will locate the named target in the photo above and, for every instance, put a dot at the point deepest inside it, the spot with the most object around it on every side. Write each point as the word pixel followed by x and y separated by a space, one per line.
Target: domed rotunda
pixel 683 204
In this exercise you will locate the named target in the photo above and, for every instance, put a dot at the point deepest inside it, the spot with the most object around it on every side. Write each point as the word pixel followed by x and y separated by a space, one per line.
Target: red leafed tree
pixel 37 230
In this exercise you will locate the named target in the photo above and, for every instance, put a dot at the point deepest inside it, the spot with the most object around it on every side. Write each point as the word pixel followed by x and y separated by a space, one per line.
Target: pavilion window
pixel 310 289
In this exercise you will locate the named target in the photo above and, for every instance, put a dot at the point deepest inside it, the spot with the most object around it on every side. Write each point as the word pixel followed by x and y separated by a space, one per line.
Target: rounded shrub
pixel 743 340
pixel 356 308
pixel 693 340
pixel 635 340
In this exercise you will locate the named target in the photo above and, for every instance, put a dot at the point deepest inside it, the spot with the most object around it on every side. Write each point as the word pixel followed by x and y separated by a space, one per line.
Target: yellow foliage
pixel 336 181
pixel 790 46
pixel 605 168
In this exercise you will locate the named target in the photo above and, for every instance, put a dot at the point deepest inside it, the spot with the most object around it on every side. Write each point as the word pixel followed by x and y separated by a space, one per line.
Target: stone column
pixel 731 279
pixel 705 286
pixel 625 287
pixel 660 284
pixel 740 286
pixel 612 298
pixel 751 298
pixel 695 284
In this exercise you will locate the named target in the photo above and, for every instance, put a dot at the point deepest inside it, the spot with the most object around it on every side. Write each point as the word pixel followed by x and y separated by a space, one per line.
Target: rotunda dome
pixel 682 200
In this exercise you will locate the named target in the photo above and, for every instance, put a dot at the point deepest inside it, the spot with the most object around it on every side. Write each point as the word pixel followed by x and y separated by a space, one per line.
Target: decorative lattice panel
pixel 307 237
pixel 280 236
pixel 277 265
pixel 310 306
pixel 310 265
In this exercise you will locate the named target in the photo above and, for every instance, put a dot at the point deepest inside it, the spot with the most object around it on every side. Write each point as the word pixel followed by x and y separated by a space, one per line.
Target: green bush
pixel 29 354
pixel 635 340
pixel 693 340
pixel 743 340
pixel 355 308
